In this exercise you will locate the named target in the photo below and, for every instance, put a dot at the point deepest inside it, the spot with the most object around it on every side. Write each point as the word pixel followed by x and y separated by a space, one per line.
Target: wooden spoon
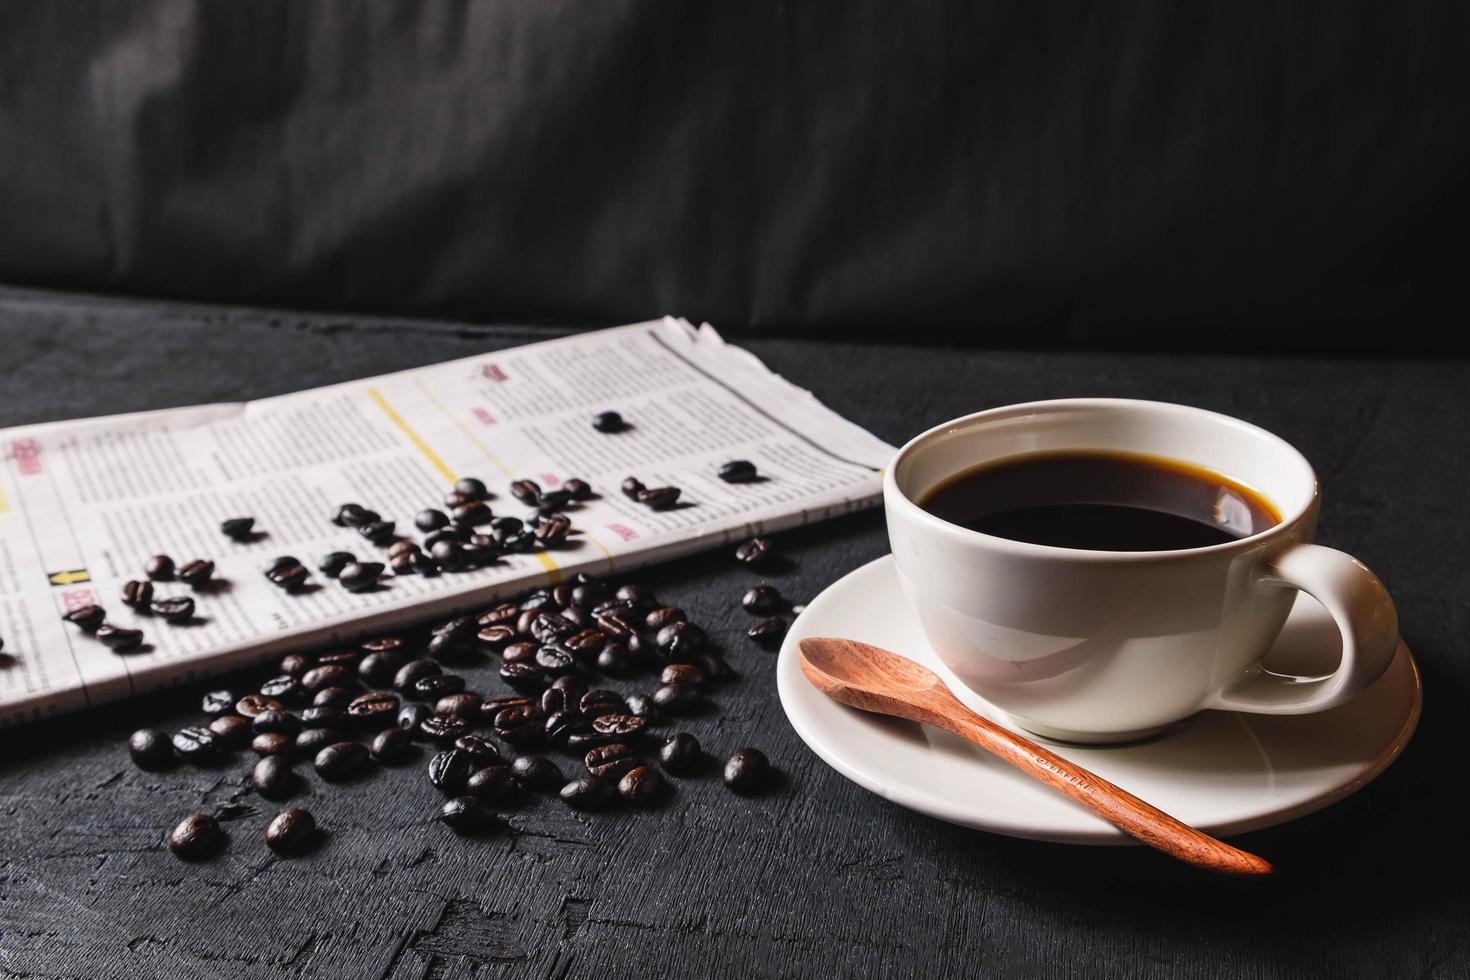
pixel 872 679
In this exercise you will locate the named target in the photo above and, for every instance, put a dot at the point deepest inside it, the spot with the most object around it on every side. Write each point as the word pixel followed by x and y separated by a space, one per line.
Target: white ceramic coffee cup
pixel 1104 646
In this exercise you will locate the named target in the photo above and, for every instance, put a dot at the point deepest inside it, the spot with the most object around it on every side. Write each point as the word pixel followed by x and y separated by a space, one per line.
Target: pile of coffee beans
pixel 547 720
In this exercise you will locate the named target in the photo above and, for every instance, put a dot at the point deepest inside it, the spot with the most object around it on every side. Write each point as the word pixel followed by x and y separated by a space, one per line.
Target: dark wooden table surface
pixel 817 879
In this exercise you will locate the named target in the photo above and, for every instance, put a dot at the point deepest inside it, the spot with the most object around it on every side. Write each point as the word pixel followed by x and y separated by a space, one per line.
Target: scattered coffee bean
pixel 413 671
pixel 467 815
pixel 378 669
pixel 233 731
pixel 643 707
pixel 174 609
pixel 738 471
pixel 465 705
pixel 374 710
pixel 676 698
pixel 481 750
pixel 610 761
pixel 680 642
pixel 754 551
pixel 273 777
pixel 562 725
pixel 472 513
pixel 272 743
pixel 352 515
pixel 536 772
pixel 340 760
pixel 196 837
pixel 277 720
pixel 579 489
pixel 435 686
pixel 552 500
pixel 641 786
pixel 449 770
pixel 284 688
pixel 632 487
pixel 333 562
pixel 391 746
pixel 492 783
pixel 361 576
pixel 521 676
pixel 520 724
pixel 151 749
pixel 220 702
pixel 237 528
pixel 430 520
pixel 333 697
pixel 608 422
pixel 659 498
pixel 378 532
pixel 196 573
pixel 296 664
pixel 118 638
pixel 682 674
pixel 160 568
pixel 472 488
pixel 747 771
pixel 761 600
pixel 137 594
pixel 553 530
pixel 613 660
pixel 443 728
pixel 768 631
pixel 313 740
pixel 291 831
pixel 411 716
pixel 681 754
pixel 87 618
pixel 587 793
pixel 620 726
pixel 526 491
pixel 197 744
pixel 253 704
pixel 291 578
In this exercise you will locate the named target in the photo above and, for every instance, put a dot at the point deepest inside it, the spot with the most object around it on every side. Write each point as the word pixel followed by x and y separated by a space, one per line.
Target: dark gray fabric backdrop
pixel 987 171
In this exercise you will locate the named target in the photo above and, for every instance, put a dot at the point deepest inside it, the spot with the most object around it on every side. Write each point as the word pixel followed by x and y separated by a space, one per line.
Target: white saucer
pixel 1222 772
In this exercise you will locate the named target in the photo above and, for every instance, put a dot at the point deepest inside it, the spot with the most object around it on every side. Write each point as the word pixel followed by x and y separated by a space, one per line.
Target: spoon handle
pixel 1118 807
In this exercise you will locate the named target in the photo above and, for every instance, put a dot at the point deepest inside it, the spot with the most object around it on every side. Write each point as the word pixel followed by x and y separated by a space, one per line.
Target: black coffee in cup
pixel 1101 501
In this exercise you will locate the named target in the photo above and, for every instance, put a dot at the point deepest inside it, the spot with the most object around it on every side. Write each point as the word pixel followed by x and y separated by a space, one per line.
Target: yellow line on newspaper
pixel 553 572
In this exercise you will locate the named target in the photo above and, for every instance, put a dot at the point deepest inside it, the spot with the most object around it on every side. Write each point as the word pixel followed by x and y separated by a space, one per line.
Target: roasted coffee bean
pixel 253 704
pixel 233 731
pixel 761 600
pixel 621 725
pixel 481 750
pixel 463 705
pixel 634 593
pixel 716 669
pixel 608 422
pixel 467 815
pixel 324 716
pixel 443 728
pixel 492 783
pixel 291 831
pixel 681 754
pixel 333 562
pixel 554 661
pixel 610 761
pixel 536 772
pixel 413 670
pixel 313 740
pixel 339 658
pixel 491 707
pixel 641 786
pixel 273 743
pixel 520 653
pixel 450 533
pixel 238 528
pixel 219 702
pixel 549 626
pixel 600 701
pixel 283 688
pixel 496 637
pixel 472 513
pixel 502 615
pixel 676 698
pixel 643 653
pixel 328 675
pixel 333 697
pixel 352 515
pixel 292 578
pixel 552 532
pixel 411 716
pixel 521 724
pixel 754 551
pixel 430 520
pixel 197 744
pixel 87 618
pixel 526 491
pixel 454 499
pixel 562 725
pixel 137 594
pixel 571 683
pixel 276 720
pixel 552 500
pixel 383 644
pixel 747 771
pixel 449 770
pixel 391 746
pixel 403 564
pixel 518 542
pixel 448 646
pixel 642 706
pixel 659 498
pixel 462 628
pixel 281 562
pixel 378 669
pixel 160 568
pixel 587 793
pixel 613 660
pixel 448 555
pixel 436 686
pixel 679 642
pixel 767 632
pixel 579 489
pixel 585 643
pixel 378 532
pixel 522 677
pixel 738 471
pixel 472 488
pixel 151 749
pixel 296 664
pixel 555 699
pixel 503 527
pixel 361 576
pixel 373 710
pixel 196 837
pixel 401 548
pixel 273 777
pixel 196 573
pixel 632 487
pixel 340 760
pixel 665 616
pixel 682 674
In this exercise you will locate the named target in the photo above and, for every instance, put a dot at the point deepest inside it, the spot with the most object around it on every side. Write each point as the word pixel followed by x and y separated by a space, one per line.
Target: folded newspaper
pixel 84 504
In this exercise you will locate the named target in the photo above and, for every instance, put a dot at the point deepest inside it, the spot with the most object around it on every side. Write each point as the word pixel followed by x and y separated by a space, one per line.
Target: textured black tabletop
pixel 819 878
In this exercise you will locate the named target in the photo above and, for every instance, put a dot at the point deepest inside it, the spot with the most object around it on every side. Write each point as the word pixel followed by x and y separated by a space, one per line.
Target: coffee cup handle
pixel 1365 617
